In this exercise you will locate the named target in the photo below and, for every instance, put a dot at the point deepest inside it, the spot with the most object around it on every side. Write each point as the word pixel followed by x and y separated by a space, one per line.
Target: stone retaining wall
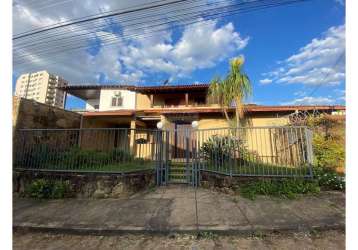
pixel 89 185
pixel 31 114
pixel 225 183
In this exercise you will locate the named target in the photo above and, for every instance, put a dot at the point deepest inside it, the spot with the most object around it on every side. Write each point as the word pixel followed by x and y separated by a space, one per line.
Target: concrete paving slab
pixel 180 208
pixel 269 214
pixel 154 193
pixel 183 214
pixel 316 212
pixel 221 213
pixel 179 191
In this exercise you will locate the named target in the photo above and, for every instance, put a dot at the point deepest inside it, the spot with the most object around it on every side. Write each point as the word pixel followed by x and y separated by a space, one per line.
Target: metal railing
pixel 253 151
pixel 97 149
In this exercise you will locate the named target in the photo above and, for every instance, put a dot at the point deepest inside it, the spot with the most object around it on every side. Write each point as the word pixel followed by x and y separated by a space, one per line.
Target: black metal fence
pixel 256 151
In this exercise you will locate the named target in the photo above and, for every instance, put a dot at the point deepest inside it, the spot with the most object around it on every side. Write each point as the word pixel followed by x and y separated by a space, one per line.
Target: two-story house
pixel 176 106
pixel 141 109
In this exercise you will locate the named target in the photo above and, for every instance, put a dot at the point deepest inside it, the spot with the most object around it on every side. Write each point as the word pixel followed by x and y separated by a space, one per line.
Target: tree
pixel 232 90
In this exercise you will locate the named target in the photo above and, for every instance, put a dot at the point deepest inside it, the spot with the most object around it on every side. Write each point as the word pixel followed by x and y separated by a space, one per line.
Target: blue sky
pixel 293 55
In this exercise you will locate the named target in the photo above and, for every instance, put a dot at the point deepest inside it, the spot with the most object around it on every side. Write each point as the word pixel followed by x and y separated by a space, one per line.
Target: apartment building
pixel 42 87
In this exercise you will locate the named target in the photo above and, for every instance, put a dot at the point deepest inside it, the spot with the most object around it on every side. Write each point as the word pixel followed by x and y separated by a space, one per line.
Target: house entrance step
pixel 178 172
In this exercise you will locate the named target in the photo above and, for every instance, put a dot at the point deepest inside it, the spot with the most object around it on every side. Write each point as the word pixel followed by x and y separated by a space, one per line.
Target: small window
pixel 114 101
pixel 117 100
pixel 96 106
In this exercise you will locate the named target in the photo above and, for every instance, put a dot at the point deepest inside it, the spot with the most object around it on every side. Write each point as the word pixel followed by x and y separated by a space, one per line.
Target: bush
pixel 223 148
pixel 45 189
pixel 287 188
pixel 328 152
pixel 329 179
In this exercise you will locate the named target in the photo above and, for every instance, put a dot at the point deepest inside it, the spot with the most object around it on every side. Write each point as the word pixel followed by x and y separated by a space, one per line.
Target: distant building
pixel 42 87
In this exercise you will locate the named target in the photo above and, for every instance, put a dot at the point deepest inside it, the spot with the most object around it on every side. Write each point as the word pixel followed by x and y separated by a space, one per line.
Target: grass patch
pixel 287 188
pixel 207 235
pixel 76 159
pixel 118 167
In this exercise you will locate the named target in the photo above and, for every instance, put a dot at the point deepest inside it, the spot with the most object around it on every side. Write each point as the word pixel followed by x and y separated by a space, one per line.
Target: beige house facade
pixel 175 106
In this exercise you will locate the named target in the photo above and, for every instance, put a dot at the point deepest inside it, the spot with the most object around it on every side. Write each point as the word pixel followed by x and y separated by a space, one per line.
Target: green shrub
pixel 45 189
pixel 328 152
pixel 287 188
pixel 329 179
pixel 219 149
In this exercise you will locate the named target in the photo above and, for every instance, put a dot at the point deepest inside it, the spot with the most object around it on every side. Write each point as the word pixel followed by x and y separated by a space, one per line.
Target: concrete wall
pixel 32 114
pixel 142 101
pixel 105 102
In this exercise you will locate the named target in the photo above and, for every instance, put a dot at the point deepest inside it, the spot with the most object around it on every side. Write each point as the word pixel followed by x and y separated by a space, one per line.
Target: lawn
pixel 117 167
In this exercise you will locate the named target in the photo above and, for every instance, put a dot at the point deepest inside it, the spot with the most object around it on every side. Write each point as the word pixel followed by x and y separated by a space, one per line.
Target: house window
pixel 117 100
pixel 96 106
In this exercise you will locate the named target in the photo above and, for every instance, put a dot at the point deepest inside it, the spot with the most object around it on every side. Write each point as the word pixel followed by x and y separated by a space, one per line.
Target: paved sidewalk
pixel 181 209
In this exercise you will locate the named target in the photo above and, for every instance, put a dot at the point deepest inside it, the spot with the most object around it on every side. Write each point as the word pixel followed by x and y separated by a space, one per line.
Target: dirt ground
pixel 304 240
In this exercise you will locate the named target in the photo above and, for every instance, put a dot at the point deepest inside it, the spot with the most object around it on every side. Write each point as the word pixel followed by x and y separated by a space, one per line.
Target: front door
pixel 181 136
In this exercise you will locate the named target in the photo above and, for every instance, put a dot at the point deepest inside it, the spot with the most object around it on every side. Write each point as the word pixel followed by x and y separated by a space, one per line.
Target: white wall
pixel 106 99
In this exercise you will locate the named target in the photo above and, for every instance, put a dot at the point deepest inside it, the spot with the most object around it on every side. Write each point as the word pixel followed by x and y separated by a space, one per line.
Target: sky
pixel 294 54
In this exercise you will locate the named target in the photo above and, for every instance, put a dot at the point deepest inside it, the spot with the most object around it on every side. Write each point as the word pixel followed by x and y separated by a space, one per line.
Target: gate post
pixel 309 137
pixel 159 151
pixel 166 169
pixel 187 155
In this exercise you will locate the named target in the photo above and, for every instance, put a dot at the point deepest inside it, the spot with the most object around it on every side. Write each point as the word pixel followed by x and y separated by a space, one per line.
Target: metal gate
pixel 178 154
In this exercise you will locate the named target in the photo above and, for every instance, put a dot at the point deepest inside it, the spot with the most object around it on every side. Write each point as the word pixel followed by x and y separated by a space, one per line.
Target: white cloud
pixel 200 46
pixel 319 62
pixel 299 93
pixel 265 81
pixel 310 100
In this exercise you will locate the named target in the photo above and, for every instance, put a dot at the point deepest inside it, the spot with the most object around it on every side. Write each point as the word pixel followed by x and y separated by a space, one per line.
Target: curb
pixel 113 232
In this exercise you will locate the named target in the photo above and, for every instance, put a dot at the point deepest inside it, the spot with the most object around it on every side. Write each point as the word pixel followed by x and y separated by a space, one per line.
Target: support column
pixel 132 135
pixel 151 100
pixel 186 99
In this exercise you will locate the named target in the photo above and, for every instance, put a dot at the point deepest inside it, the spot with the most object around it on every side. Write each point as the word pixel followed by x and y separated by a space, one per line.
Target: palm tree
pixel 232 90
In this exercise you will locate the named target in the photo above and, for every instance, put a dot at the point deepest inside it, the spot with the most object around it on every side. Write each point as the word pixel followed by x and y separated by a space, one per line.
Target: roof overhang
pixel 172 89
pixel 92 91
pixel 126 112
pixel 87 92
pixel 248 109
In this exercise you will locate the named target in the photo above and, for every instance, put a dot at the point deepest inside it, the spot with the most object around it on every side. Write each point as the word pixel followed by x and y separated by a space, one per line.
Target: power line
pixel 81 18
pixel 96 18
pixel 327 74
pixel 212 14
